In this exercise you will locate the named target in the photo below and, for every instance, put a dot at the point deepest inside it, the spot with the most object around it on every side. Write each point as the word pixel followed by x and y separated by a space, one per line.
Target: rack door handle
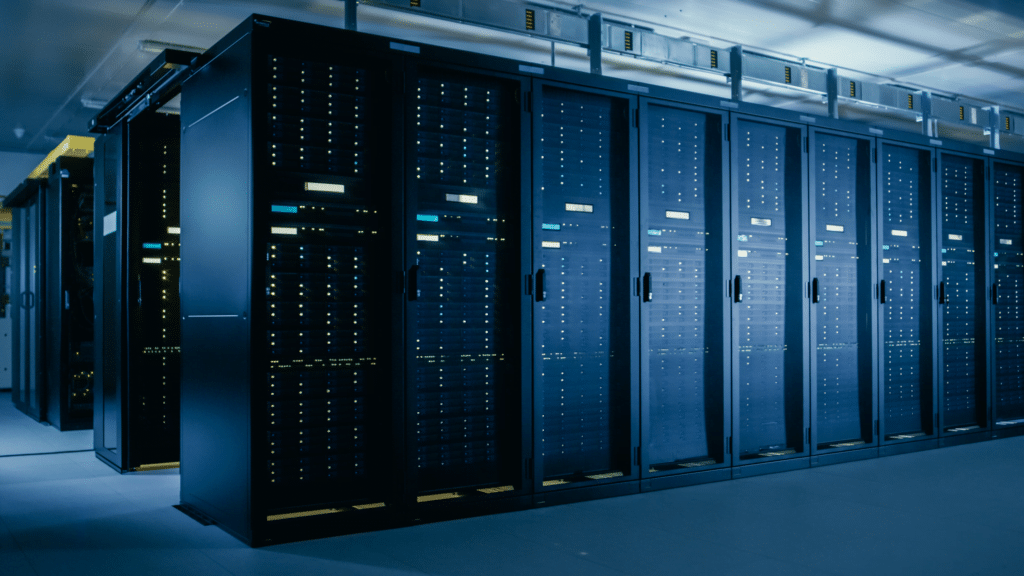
pixel 881 291
pixel 942 293
pixel 814 291
pixel 737 295
pixel 140 292
pixel 648 288
pixel 995 293
pixel 414 282
pixel 541 291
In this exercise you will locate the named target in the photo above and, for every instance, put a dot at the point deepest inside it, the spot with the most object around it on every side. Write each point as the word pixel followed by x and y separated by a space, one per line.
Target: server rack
pixel 138 369
pixel 291 269
pixel 962 296
pixel 908 403
pixel 1007 294
pixel 467 346
pixel 771 420
pixel 685 405
pixel 586 436
pixel 842 271
pixel 28 369
pixel 67 286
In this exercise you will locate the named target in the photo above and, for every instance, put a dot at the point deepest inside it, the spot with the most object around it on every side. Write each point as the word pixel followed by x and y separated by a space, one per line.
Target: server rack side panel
pixel 682 243
pixel 769 309
pixel 151 308
pixel 326 234
pixel 108 172
pixel 216 280
pixel 465 399
pixel 907 406
pixel 962 299
pixel 840 291
pixel 1008 293
pixel 583 390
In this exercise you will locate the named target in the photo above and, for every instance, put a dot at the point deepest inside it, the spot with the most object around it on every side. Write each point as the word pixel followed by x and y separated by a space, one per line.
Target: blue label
pixel 286 209
pixel 152 245
pixel 552 226
pixel 819 242
pixel 427 218
pixel 654 232
pixel 885 246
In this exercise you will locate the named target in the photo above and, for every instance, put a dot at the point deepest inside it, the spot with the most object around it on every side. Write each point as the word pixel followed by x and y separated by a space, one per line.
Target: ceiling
pixel 64 58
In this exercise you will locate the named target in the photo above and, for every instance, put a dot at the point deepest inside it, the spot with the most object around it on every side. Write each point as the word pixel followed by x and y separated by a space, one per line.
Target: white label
pixel 876 131
pixel 550 244
pixel 325 187
pixel 110 223
pixel 955 237
pixel 761 221
pixel 741 253
pixel 808 119
pixel 728 104
pixel 285 231
pixel 885 260
pixel 935 142
pixel 530 69
pixel 428 237
pixel 173 230
pixel 899 232
pixel 1006 242
pixel 834 228
pixel 655 249
pixel 677 215
pixel 463 198
pixel 818 257
pixel 635 88
pixel 989 151
pixel 974 115
pixel 150 260
pixel 578 208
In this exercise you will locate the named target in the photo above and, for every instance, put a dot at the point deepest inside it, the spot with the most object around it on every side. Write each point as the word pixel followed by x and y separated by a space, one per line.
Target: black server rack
pixel 842 336
pixel 1007 237
pixel 962 296
pixel 290 261
pixel 466 137
pixel 28 369
pixel 585 375
pixel 685 411
pixel 138 369
pixel 907 396
pixel 769 311
pixel 68 310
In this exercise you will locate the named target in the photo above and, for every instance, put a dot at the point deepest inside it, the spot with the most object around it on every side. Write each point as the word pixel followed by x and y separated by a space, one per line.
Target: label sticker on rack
pixel 899 233
pixel 677 215
pixel 283 230
pixel 325 187
pixel 835 228
pixel 955 237
pixel 547 244
pixel 655 249
pixel 1006 242
pixel 463 198
pixel 761 221
pixel 428 237
pixel 579 208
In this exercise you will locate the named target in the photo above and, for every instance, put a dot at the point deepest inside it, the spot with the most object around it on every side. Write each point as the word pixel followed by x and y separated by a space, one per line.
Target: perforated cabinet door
pixel 962 298
pixel 582 257
pixel 464 398
pixel 1009 294
pixel 906 287
pixel 769 307
pixel 682 246
pixel 841 291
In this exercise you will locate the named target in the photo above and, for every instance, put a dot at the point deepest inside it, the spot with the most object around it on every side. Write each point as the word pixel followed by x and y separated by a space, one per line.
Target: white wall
pixel 14 167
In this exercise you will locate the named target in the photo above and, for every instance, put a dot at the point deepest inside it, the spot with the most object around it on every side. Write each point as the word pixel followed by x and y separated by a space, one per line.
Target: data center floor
pixel 952 511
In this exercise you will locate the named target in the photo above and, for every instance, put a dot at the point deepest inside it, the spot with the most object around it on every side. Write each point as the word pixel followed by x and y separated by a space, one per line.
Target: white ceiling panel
pixel 854 50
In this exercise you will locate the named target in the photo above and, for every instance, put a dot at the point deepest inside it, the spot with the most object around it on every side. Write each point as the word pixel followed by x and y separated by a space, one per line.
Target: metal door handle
pixel 648 288
pixel 942 293
pixel 542 293
pixel 737 295
pixel 414 282
pixel 814 290
pixel 881 291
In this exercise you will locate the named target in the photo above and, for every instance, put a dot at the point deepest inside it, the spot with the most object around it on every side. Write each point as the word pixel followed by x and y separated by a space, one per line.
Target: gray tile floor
pixel 950 511
pixel 20 434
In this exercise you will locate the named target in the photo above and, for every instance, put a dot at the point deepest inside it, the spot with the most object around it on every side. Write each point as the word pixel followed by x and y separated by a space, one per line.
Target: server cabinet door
pixel 684 216
pixel 907 402
pixel 584 383
pixel 324 206
pixel 28 383
pixel 961 294
pixel 464 396
pixel 841 296
pixel 152 304
pixel 767 289
pixel 1008 293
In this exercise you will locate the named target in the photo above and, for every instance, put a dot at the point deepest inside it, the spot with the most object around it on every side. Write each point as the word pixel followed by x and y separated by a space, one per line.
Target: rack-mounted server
pixel 448 284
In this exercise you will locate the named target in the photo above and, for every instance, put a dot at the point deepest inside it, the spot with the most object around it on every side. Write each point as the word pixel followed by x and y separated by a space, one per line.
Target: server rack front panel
pixel 465 395
pixel 28 384
pixel 323 207
pixel 962 294
pixel 1008 293
pixel 583 390
pixel 683 324
pixel 841 296
pixel 767 289
pixel 907 401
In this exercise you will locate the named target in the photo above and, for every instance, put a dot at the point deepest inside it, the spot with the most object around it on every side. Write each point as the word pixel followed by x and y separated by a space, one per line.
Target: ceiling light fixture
pixel 156 47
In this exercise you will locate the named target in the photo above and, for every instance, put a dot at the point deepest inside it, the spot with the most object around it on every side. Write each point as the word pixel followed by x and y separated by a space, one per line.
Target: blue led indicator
pixel 552 226
pixel 286 209
pixel 654 232
pixel 152 245
pixel 427 217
